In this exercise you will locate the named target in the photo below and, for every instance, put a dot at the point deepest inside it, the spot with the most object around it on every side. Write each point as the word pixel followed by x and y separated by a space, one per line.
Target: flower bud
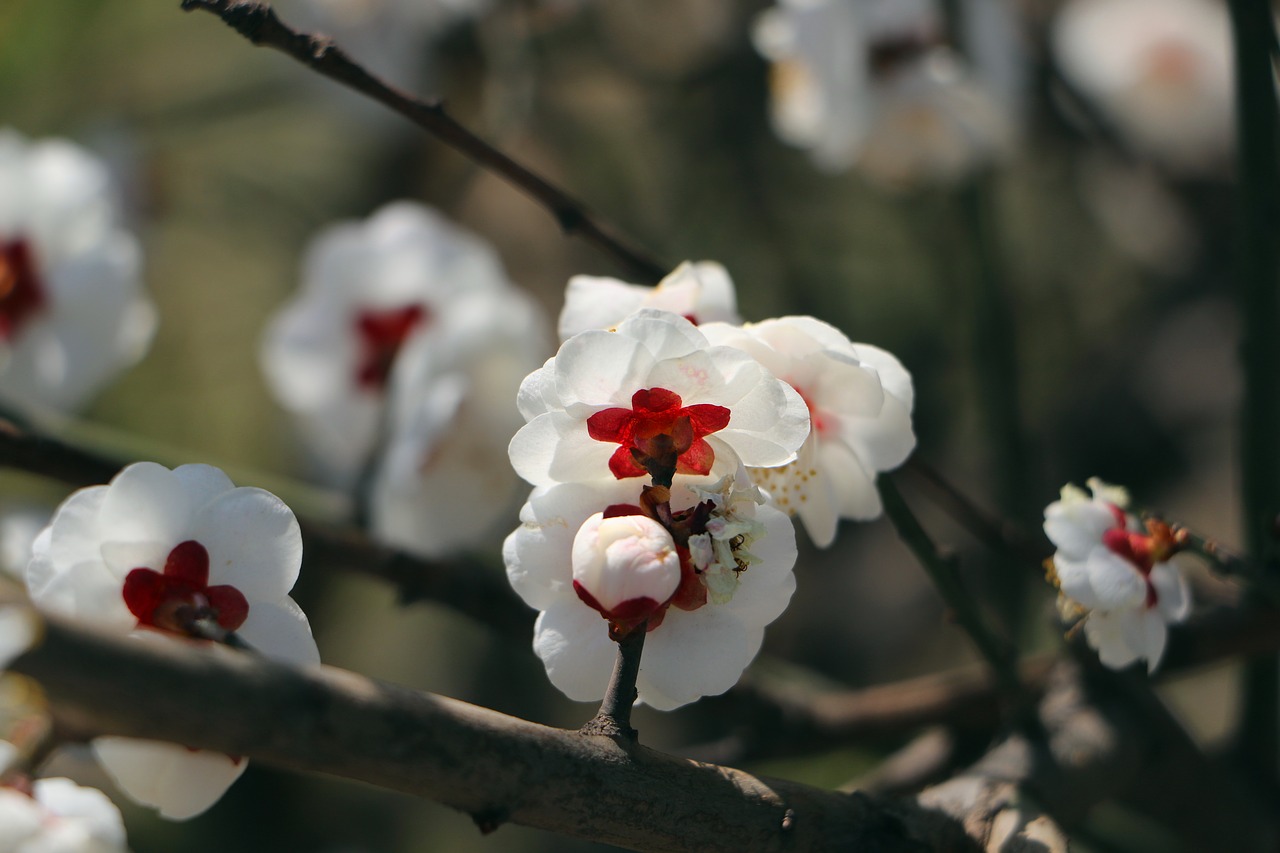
pixel 625 567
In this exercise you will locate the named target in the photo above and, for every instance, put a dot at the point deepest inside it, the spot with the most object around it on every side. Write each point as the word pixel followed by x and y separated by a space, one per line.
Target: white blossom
pixel 607 396
pixel 859 399
pixel 701 292
pixel 72 310
pixel 703 640
pixel 444 482
pixel 59 816
pixel 873 84
pixel 1160 70
pixel 369 289
pixel 148 554
pixel 1113 575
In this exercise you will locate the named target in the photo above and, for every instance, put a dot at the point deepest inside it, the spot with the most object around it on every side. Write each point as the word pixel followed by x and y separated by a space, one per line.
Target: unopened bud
pixel 625 567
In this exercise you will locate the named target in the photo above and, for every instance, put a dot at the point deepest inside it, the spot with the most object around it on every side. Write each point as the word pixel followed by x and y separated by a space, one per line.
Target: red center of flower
pixel 1141 550
pixel 381 334
pixel 658 421
pixel 173 599
pixel 21 290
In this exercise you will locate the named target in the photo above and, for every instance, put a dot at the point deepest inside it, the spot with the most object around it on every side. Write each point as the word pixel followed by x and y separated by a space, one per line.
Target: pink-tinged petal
pixel 555 448
pixel 1108 633
pixel 769 424
pixel 179 782
pixel 20 818
pixel 843 386
pixel 597 369
pixel 1116 583
pixel 280 630
pixel 1076 527
pixel 147 502
pixel 72 533
pixel 1173 598
pixel 694 654
pixel 253 540
pixel 572 640
pixel 86 592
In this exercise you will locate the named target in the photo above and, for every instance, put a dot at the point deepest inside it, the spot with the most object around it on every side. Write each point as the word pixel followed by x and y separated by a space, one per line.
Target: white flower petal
pixel 146 503
pixel 1173 598
pixel 179 782
pixel 573 642
pixel 253 540
pixel 695 654
pixel 1110 632
pixel 1076 528
pixel 280 631
pixel 1116 583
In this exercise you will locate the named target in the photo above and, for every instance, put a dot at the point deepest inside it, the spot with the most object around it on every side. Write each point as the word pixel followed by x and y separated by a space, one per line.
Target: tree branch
pixel 494 767
pixel 258 23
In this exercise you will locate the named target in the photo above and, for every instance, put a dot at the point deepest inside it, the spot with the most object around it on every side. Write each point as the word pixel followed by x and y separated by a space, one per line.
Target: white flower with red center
pixel 444 482
pixel 1114 575
pixel 859 398
pixel 58 816
pixel 874 84
pixel 611 402
pixel 700 292
pixel 369 288
pixel 1160 70
pixel 598 565
pixel 72 310
pixel 178 553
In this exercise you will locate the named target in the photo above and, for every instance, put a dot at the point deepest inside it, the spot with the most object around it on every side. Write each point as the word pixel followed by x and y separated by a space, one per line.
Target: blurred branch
pixel 258 23
pixel 467 585
pixel 496 768
pixel 941 569
pixel 1257 277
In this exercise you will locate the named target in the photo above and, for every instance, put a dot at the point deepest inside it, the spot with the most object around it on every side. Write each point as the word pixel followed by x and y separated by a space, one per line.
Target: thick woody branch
pixel 494 767
pixel 260 25
pixel 465 585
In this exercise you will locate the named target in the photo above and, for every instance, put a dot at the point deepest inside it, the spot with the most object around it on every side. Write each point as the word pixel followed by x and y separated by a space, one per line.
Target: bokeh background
pixel 230 158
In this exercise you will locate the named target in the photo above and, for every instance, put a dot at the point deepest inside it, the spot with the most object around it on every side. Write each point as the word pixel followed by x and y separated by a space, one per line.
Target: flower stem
pixel 941 569
pixel 614 717
pixel 1258 295
pixel 207 628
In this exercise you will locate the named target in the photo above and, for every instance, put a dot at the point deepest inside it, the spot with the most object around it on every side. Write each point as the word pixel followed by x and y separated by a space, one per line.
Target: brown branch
pixel 496 768
pixel 260 25
pixel 467 585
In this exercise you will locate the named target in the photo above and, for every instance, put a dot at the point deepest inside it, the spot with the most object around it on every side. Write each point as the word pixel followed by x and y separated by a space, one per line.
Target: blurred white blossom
pixel 701 292
pixel 72 310
pixel 59 816
pixel 1114 575
pixel 152 553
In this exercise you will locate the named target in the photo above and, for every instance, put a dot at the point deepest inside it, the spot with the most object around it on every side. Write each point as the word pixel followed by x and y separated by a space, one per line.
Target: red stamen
pixel 22 292
pixel 381 334
pixel 654 413
pixel 171 600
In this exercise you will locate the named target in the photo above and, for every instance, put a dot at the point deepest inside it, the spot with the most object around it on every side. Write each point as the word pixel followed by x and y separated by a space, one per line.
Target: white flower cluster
pixel 873 84
pixel 1114 575
pixel 709 413
pixel 402 351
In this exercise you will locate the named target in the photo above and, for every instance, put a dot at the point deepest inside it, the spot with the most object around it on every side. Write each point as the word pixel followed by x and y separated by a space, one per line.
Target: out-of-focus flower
pixel 369 288
pixel 72 310
pixel 611 402
pixel 873 84
pixel 444 482
pixel 859 399
pixel 1160 70
pixel 59 816
pixel 160 552
pixel 19 628
pixel 734 579
pixel 20 524
pixel 1115 576
pixel 701 292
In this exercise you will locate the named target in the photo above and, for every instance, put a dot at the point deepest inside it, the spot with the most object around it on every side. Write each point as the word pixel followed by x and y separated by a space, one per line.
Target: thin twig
pixel 614 717
pixel 942 571
pixel 258 23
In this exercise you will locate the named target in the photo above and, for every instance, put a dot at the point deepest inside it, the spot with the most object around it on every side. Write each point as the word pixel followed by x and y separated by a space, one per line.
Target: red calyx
pixel 381 334
pixel 172 599
pixel 656 425
pixel 22 292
